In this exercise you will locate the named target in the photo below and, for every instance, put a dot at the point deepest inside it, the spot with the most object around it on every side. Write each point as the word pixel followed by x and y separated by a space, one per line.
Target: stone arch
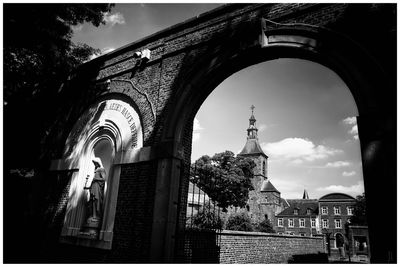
pixel 333 50
pixel 341 54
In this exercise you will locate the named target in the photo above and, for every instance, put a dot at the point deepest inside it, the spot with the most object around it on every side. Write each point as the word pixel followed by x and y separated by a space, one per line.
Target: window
pixel 338 223
pixel 291 223
pixel 296 212
pixel 325 223
pixel 313 223
pixel 302 222
pixel 263 168
pixel 280 222
pixel 324 210
pixel 308 211
pixel 350 210
pixel 302 234
pixel 336 210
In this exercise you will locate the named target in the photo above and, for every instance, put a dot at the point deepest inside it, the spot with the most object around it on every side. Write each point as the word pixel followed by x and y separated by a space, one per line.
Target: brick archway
pixel 350 61
pixel 186 62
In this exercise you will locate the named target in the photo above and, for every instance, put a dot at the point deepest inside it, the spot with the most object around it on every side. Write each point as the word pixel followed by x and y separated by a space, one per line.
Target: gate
pixel 200 240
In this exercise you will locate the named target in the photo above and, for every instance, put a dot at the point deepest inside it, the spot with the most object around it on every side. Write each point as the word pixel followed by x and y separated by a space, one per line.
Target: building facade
pixel 335 210
pixel 300 218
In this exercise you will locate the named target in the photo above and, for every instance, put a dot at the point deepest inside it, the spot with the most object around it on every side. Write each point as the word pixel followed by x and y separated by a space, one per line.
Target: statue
pixel 96 199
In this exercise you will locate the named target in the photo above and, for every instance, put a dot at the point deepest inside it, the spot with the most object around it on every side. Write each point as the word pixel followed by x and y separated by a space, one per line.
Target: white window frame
pixel 350 210
pixel 336 210
pixel 280 222
pixel 340 224
pixel 291 223
pixel 313 223
pixel 302 223
pixel 324 210
pixel 323 223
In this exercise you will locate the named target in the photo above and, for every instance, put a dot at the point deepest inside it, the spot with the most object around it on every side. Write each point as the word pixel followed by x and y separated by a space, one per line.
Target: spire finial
pixel 252 109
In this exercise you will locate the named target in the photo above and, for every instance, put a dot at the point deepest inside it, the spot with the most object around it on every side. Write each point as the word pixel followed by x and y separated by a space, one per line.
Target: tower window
pixel 263 168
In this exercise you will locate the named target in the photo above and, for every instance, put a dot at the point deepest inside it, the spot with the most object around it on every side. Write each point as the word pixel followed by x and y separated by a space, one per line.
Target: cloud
pixel 262 127
pixel 354 129
pixel 196 130
pixel 347 174
pixel 77 28
pixel 103 51
pixel 107 50
pixel 350 120
pixel 337 164
pixel 298 150
pixel 112 19
pixel 356 189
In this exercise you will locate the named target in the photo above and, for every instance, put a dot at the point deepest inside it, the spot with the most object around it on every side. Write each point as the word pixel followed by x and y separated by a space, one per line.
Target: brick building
pixel 300 218
pixel 335 210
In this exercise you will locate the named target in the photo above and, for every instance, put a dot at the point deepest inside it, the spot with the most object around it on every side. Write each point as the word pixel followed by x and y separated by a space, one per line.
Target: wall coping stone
pixel 242 233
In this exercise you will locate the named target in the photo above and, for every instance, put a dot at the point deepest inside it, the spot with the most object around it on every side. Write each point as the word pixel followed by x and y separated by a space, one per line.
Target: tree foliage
pixel 224 178
pixel 239 222
pixel 265 226
pixel 38 57
pixel 206 218
pixel 360 211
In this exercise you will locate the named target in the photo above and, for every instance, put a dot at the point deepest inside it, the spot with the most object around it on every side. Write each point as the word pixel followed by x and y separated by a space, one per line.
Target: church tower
pixel 253 150
pixel 264 200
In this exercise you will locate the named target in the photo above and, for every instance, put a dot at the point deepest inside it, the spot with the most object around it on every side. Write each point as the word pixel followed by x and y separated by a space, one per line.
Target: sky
pixel 305 113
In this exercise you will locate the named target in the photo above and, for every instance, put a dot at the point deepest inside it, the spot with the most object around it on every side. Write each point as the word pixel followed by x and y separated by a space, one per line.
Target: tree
pixel 206 218
pixel 239 222
pixel 360 211
pixel 265 226
pixel 224 178
pixel 38 57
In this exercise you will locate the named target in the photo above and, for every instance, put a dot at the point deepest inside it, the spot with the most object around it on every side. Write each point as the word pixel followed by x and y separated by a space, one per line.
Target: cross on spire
pixel 252 109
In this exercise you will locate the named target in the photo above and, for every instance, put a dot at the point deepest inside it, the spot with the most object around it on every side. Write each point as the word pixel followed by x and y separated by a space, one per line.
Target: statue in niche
pixel 96 199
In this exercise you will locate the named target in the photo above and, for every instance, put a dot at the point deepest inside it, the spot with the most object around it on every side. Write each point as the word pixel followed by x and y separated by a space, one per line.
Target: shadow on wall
pixel 309 258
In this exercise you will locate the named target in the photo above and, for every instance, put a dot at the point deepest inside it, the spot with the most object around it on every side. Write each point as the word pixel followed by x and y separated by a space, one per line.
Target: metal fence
pixel 200 241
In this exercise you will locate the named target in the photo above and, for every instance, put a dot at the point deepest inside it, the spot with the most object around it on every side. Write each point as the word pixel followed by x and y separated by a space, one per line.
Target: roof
pixel 267 186
pixel 252 147
pixel 336 197
pixel 302 205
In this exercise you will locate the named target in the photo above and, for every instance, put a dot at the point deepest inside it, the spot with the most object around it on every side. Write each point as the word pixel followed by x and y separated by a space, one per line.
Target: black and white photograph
pixel 199 132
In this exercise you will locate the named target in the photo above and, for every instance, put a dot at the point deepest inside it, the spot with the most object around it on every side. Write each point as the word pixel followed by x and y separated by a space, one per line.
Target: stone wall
pixel 254 247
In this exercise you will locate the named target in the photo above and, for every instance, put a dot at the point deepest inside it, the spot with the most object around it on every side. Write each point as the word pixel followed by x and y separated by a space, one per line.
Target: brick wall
pixel 252 247
pixel 164 79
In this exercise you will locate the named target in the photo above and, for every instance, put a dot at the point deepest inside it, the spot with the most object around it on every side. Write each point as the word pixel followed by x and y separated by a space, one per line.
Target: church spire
pixel 305 194
pixel 252 130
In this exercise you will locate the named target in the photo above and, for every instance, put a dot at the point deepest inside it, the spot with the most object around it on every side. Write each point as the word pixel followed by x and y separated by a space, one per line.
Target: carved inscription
pixel 124 111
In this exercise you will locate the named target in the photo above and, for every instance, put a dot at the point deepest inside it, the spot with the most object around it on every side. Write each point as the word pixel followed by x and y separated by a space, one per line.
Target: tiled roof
pixel 252 147
pixel 336 197
pixel 302 205
pixel 267 186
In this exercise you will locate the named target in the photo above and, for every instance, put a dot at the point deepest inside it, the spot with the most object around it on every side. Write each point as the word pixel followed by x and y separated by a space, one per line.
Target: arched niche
pixel 108 132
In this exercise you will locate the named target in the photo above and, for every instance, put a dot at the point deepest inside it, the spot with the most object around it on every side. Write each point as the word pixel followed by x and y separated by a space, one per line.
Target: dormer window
pixel 296 211
pixel 308 211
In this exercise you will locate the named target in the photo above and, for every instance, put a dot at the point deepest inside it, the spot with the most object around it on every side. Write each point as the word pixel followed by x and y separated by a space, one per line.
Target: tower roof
pixel 252 147
pixel 267 186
